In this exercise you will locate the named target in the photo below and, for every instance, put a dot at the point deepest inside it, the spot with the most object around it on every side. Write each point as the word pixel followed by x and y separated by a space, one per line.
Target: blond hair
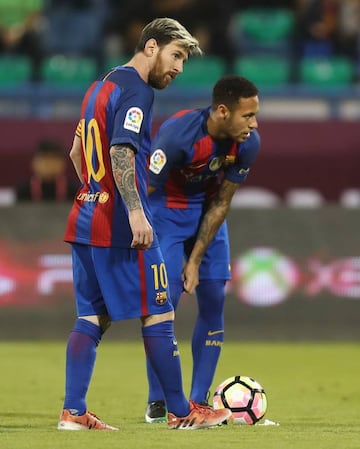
pixel 165 30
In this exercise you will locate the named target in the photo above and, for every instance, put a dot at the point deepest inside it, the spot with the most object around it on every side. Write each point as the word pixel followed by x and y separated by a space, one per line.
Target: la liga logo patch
pixel 133 119
pixel 157 161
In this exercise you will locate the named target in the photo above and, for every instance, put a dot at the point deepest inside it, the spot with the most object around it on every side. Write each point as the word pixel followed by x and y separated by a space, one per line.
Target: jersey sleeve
pixel 132 116
pixel 167 152
pixel 78 130
pixel 247 154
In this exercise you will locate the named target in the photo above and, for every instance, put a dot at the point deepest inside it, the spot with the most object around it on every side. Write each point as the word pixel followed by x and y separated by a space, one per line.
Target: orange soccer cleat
pixel 200 416
pixel 87 421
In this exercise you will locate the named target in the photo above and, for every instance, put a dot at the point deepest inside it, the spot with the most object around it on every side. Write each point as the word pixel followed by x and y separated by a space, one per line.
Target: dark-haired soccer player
pixel 119 271
pixel 199 158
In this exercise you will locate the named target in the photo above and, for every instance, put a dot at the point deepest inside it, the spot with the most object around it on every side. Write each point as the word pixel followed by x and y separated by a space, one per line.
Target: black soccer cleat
pixel 156 412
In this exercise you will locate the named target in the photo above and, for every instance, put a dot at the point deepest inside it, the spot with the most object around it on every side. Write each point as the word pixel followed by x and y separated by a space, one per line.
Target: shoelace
pixel 200 407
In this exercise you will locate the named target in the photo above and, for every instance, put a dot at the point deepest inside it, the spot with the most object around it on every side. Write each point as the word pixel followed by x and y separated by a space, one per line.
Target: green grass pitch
pixel 313 390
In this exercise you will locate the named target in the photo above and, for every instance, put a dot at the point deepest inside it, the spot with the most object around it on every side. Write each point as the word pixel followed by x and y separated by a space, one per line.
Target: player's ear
pixel 223 111
pixel 151 47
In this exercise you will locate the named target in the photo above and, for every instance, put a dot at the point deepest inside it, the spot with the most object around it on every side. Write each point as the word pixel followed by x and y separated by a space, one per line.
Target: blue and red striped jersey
pixel 116 109
pixel 187 164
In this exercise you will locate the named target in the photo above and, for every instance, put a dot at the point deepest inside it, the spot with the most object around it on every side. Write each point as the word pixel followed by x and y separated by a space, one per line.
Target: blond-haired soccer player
pixel 119 270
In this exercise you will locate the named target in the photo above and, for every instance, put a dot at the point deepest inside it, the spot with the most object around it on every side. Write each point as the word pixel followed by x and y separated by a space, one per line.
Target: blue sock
pixel 208 337
pixel 155 390
pixel 80 361
pixel 162 351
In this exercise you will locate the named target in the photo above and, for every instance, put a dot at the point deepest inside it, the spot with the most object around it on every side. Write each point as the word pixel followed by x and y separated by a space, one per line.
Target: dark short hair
pixel 49 147
pixel 230 89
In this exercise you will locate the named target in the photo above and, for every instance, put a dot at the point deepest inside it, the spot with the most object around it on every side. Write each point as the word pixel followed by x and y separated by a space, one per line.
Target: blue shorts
pixel 177 229
pixel 120 282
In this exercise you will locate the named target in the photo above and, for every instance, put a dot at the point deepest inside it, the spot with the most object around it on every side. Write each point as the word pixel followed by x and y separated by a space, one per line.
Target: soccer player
pixel 199 158
pixel 119 272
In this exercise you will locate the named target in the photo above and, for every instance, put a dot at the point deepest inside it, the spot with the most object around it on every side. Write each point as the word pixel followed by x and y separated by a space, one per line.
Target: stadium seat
pixel 334 71
pixel 203 71
pixel 263 28
pixel 69 71
pixel 264 70
pixel 14 70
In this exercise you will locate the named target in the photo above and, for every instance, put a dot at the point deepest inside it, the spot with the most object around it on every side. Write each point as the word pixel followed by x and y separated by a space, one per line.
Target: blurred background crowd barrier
pixel 296 275
pixel 294 224
pixel 302 163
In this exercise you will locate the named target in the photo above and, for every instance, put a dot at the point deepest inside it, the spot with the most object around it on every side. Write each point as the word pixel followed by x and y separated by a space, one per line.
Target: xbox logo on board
pixel 264 277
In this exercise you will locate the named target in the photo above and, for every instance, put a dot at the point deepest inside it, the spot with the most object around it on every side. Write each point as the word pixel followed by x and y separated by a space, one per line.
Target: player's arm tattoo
pixel 213 218
pixel 123 166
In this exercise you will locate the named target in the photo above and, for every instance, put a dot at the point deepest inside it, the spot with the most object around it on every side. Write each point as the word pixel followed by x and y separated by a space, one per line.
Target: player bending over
pixel 199 158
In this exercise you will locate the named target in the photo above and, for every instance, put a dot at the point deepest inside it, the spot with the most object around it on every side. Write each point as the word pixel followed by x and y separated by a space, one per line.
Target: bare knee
pixel 155 319
pixel 100 320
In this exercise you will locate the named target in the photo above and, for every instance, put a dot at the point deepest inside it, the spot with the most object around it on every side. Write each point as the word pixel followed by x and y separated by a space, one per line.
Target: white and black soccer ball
pixel 244 396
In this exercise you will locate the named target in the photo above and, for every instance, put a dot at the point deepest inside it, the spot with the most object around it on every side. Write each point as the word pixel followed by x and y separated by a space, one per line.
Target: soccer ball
pixel 244 396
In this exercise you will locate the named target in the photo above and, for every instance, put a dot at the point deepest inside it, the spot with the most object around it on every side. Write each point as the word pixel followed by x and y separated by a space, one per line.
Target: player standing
pixel 199 158
pixel 118 269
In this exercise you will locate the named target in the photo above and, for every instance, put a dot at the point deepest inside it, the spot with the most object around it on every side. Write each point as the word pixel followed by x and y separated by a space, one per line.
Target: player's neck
pixel 213 128
pixel 141 64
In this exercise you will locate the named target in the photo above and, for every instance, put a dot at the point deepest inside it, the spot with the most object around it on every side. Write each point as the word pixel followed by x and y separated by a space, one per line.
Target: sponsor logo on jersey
pixel 133 119
pixel 244 171
pixel 157 161
pixel 88 197
pixel 230 159
pixel 216 163
pixel 196 167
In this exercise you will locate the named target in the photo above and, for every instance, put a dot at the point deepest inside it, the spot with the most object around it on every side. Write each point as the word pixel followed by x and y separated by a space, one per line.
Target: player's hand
pixel 190 276
pixel 141 230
